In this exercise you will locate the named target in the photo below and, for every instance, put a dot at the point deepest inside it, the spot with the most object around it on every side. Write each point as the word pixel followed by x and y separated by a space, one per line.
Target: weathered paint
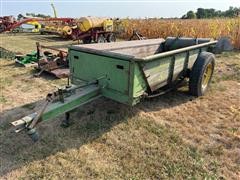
pixel 122 78
pixel 90 66
pixel 127 78
pixel 82 96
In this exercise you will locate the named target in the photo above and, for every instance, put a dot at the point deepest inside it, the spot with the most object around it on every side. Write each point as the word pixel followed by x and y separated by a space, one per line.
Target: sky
pixel 112 8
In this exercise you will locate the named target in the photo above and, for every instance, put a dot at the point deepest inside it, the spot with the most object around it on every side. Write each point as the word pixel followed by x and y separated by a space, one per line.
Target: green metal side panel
pixel 116 73
pixel 81 97
pixel 89 67
pixel 139 84
pixel 115 95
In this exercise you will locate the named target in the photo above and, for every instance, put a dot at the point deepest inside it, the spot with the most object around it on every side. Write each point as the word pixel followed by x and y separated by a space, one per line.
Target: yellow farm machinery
pixel 87 29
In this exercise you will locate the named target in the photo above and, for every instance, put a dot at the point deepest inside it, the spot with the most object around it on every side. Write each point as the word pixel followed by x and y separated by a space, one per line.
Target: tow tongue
pixel 29 122
pixel 57 103
pixel 23 122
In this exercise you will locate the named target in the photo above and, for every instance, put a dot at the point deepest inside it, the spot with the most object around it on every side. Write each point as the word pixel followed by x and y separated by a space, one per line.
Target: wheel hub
pixel 207 76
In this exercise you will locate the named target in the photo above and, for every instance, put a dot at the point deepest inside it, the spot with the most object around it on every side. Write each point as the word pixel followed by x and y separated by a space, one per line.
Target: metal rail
pixel 177 51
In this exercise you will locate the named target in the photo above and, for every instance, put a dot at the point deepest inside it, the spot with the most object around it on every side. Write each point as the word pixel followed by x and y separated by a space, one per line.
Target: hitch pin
pixel 17 130
pixel 23 122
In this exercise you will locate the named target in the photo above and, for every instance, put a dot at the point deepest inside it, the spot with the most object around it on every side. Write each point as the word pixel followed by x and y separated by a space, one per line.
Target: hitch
pixel 28 123
pixel 22 124
pixel 57 103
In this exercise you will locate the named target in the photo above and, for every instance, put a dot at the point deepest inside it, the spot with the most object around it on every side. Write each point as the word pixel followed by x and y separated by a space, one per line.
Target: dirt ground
pixel 175 136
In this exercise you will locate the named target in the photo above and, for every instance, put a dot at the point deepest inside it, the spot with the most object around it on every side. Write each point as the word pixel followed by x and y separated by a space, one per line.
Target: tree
pixel 232 12
pixel 19 17
pixel 37 15
pixel 191 15
pixel 212 13
pixel 201 13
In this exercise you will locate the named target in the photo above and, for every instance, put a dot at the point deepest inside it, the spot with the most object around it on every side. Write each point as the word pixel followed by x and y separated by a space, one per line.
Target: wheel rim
pixel 207 76
pixel 112 38
pixel 101 39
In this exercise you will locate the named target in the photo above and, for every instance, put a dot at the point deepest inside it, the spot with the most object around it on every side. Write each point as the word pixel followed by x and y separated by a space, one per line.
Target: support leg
pixel 65 122
pixel 33 134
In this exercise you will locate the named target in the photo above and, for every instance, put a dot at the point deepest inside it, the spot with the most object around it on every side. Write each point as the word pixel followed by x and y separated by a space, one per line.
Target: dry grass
pixel 18 85
pixel 174 136
pixel 162 28
pixel 25 42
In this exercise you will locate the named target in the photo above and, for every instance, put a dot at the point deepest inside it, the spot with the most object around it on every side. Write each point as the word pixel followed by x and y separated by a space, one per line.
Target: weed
pixel 3 99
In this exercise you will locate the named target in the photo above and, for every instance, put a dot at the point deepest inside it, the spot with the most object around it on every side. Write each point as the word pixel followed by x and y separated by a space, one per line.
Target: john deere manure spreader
pixel 126 72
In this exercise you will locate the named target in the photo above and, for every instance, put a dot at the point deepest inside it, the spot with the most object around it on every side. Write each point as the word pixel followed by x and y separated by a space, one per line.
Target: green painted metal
pixel 124 78
pixel 139 84
pixel 29 58
pixel 80 97
pixel 88 67
pixel 127 77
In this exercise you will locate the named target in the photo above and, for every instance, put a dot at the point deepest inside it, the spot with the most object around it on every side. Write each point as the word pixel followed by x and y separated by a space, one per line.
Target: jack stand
pixel 33 134
pixel 65 122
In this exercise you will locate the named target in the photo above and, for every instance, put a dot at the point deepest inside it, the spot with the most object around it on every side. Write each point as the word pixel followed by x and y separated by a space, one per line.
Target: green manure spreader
pixel 126 72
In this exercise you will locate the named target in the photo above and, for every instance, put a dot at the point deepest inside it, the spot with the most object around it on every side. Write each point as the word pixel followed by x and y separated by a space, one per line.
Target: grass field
pixel 175 136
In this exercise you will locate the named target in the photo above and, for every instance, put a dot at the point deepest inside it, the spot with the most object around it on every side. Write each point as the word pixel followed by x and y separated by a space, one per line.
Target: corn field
pixel 162 28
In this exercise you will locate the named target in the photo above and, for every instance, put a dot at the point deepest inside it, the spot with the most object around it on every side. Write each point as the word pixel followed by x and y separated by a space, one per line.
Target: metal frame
pixel 65 100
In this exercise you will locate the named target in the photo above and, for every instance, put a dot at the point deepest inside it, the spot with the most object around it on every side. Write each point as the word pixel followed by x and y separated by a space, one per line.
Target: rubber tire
pixel 87 40
pixel 196 74
pixel 101 39
pixel 111 37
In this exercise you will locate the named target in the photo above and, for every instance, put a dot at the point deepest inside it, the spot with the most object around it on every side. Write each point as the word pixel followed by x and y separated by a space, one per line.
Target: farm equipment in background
pixel 45 59
pixel 9 23
pixel 6 22
pixel 36 26
pixel 57 27
pixel 137 36
pixel 87 29
pixel 27 60
pixel 28 27
pixel 95 29
pixel 54 10
pixel 54 63
pixel 126 72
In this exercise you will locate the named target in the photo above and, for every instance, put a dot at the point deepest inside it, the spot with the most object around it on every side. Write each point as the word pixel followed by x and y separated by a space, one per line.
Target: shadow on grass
pixel 45 75
pixel 88 123
pixel 31 72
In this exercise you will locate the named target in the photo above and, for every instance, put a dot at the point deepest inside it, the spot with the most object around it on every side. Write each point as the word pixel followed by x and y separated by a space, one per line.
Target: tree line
pixel 20 16
pixel 202 13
